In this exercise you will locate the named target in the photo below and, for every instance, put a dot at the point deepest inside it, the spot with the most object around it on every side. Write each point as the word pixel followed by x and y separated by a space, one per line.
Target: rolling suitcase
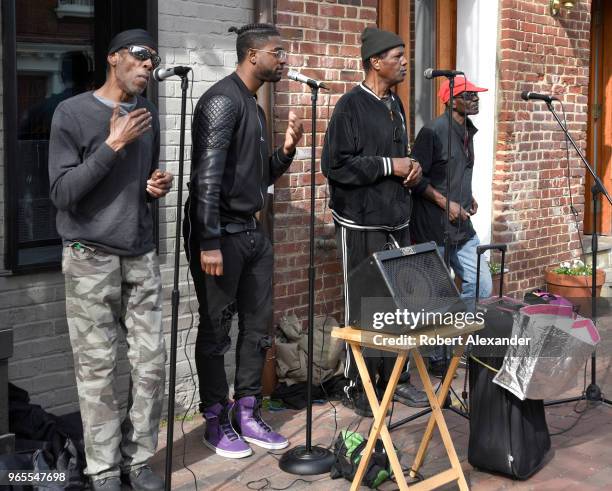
pixel 507 435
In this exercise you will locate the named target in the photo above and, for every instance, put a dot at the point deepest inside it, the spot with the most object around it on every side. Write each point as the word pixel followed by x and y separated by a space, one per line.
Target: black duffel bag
pixel 507 435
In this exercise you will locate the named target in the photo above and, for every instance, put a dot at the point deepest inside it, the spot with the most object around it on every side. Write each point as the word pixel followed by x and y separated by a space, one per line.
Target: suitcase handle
pixel 486 247
pixel 499 247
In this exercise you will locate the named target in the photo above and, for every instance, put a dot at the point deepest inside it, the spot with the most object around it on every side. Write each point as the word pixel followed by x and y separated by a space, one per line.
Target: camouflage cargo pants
pixel 105 293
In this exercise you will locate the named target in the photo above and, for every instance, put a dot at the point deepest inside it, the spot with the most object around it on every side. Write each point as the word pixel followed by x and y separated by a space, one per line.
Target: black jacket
pixel 230 165
pixel 429 149
pixel 363 135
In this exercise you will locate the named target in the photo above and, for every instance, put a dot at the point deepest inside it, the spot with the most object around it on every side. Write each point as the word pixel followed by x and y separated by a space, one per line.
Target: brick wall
pixel 323 39
pixel 531 203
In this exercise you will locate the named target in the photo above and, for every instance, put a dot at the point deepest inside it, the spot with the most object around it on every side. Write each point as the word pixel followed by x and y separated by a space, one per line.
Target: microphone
pixel 298 77
pixel 160 74
pixel 526 96
pixel 431 73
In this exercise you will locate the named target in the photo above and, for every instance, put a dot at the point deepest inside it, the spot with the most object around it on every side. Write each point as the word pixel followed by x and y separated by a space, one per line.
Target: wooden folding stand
pixel 358 339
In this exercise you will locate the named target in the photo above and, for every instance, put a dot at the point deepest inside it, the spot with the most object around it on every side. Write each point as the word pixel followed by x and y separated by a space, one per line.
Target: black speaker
pixel 400 290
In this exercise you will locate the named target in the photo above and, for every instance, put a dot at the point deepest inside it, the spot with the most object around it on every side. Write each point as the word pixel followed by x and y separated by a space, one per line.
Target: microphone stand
pixel 175 291
pixel 447 240
pixel 445 404
pixel 451 100
pixel 306 460
pixel 593 391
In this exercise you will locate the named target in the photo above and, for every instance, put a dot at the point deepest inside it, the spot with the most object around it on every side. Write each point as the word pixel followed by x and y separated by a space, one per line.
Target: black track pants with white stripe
pixel 354 246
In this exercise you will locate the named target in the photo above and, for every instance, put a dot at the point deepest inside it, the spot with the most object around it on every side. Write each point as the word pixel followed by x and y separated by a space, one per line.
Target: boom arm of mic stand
pixel 598 185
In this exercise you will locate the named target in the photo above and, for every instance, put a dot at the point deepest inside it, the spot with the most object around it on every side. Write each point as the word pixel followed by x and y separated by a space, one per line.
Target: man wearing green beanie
pixel 366 161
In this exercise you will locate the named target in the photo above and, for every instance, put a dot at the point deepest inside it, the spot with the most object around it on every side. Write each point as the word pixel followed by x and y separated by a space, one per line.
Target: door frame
pixel 599 115
pixel 398 16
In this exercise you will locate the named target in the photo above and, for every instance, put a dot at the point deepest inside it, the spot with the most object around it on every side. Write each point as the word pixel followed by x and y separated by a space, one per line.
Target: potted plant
pixel 573 279
pixel 495 270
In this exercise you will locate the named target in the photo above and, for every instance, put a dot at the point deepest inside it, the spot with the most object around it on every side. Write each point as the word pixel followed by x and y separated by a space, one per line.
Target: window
pixel 53 50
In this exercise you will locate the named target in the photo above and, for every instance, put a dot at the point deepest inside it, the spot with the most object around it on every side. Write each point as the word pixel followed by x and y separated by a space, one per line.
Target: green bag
pixel 348 448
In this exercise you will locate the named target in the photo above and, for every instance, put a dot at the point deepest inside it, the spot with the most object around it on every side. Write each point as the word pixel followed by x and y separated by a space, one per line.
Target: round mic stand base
pixel 593 393
pixel 303 462
pixel 308 460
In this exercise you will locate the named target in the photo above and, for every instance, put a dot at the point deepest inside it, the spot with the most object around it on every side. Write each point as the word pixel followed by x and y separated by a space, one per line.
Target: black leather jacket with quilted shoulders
pixel 231 168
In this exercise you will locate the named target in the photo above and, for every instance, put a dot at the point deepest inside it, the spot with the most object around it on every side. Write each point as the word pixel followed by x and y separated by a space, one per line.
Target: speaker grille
pixel 420 282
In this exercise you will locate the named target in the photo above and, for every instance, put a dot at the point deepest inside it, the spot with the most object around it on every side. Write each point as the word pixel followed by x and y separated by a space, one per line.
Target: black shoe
pixel 360 405
pixel 409 395
pixel 437 369
pixel 112 483
pixel 143 479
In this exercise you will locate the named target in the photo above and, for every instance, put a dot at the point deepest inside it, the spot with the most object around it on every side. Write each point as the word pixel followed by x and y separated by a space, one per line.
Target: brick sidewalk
pixel 582 456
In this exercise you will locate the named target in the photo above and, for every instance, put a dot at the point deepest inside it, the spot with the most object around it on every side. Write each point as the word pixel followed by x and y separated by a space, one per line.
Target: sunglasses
pixel 141 53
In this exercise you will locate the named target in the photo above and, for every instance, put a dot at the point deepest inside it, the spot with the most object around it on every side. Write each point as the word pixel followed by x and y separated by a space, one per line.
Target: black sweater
pixel 362 137
pixel 230 166
pixel 429 149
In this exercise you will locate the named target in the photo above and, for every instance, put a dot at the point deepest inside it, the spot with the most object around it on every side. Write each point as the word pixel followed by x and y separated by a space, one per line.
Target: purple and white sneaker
pixel 252 428
pixel 220 435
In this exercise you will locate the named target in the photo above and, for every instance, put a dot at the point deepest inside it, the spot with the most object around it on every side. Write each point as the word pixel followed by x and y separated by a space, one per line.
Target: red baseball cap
pixel 461 85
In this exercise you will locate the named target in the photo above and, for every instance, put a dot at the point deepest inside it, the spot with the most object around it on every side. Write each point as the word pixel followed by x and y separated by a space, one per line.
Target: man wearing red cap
pixel 429 213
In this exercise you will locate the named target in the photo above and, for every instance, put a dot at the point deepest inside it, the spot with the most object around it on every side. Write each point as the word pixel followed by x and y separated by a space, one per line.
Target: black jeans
pixel 246 288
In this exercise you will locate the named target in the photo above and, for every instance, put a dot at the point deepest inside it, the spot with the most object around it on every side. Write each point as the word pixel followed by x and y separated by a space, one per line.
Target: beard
pixel 133 89
pixel 270 75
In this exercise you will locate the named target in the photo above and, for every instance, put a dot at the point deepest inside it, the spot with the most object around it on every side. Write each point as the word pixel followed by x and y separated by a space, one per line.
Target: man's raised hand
pixel 294 133
pixel 125 129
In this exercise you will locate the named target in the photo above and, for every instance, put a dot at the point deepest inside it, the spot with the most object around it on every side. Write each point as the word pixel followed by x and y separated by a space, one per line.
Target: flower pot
pixel 570 286
pixel 496 278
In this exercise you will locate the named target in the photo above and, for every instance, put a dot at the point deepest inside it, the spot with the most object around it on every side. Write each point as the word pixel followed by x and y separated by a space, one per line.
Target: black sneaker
pixel 143 479
pixel 360 405
pixel 409 395
pixel 112 483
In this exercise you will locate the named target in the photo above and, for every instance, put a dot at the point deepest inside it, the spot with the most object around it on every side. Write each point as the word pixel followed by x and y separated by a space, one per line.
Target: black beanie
pixel 375 41
pixel 138 37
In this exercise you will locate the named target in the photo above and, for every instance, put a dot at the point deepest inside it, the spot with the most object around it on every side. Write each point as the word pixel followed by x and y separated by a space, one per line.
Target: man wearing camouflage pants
pixel 103 158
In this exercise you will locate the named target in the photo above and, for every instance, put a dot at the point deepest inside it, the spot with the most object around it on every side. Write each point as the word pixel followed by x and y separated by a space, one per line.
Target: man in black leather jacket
pixel 230 257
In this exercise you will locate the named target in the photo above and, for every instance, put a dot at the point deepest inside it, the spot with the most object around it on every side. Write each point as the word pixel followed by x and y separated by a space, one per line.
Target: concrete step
pixel 604 251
